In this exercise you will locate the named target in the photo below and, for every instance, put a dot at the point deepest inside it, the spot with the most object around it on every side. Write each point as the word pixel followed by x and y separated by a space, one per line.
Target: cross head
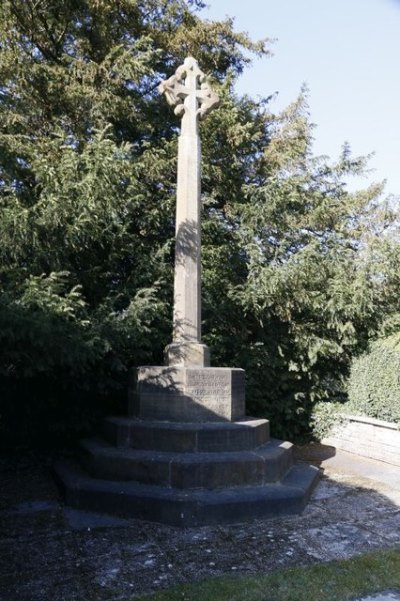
pixel 190 93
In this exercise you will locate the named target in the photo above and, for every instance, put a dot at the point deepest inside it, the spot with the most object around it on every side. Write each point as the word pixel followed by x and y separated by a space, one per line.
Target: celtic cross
pixel 188 91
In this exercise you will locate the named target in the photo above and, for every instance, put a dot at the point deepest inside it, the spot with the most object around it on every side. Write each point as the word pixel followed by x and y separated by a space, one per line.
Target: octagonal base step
pixel 187 508
pixel 245 434
pixel 267 463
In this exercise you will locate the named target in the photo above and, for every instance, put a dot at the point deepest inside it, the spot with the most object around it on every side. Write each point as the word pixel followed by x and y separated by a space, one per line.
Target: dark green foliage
pixel 327 418
pixel 374 383
pixel 87 193
pixel 296 272
pixel 316 277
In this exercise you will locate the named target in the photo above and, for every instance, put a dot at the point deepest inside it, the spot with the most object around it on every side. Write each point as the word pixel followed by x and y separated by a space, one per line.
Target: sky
pixel 347 52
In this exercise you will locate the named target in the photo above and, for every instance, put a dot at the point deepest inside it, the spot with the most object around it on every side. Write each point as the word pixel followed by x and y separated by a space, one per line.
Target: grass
pixel 334 581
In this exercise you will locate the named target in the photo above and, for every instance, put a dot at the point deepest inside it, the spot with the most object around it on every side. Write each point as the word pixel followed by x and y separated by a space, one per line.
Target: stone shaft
pixel 192 97
pixel 187 282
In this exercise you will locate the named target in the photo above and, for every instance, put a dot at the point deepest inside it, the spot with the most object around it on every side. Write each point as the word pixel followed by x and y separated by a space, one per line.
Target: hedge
pixel 374 383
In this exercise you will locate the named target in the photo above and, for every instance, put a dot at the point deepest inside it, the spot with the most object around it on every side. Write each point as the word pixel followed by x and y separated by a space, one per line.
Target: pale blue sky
pixel 348 54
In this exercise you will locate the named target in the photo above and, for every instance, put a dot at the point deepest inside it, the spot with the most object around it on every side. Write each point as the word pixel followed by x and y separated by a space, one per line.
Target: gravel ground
pixel 50 552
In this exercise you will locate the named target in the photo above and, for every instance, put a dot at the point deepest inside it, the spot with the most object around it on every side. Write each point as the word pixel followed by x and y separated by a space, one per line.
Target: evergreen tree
pixel 315 270
pixel 295 269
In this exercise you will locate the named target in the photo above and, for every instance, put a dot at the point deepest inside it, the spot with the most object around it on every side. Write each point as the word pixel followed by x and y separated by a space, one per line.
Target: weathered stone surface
pixel 188 508
pixel 367 437
pixel 269 463
pixel 194 354
pixel 190 394
pixel 190 94
pixel 242 435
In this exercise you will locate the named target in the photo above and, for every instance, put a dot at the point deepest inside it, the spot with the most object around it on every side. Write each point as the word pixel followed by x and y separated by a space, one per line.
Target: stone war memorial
pixel 186 454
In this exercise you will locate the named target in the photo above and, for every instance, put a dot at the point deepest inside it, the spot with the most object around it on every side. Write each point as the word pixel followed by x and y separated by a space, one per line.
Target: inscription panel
pixel 211 389
pixel 221 390
pixel 208 384
pixel 191 394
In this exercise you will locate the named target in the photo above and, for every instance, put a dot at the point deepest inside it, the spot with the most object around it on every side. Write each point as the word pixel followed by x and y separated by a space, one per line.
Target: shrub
pixel 374 383
pixel 326 418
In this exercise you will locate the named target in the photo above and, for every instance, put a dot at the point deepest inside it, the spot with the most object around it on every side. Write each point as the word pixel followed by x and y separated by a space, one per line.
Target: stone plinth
pixel 190 394
pixel 194 354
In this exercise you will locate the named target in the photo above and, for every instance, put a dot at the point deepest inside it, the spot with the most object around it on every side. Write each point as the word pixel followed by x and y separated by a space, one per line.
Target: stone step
pixel 245 434
pixel 187 508
pixel 268 463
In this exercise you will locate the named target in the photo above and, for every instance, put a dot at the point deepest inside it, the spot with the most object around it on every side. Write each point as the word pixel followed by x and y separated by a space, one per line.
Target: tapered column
pixel 187 282
pixel 192 97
